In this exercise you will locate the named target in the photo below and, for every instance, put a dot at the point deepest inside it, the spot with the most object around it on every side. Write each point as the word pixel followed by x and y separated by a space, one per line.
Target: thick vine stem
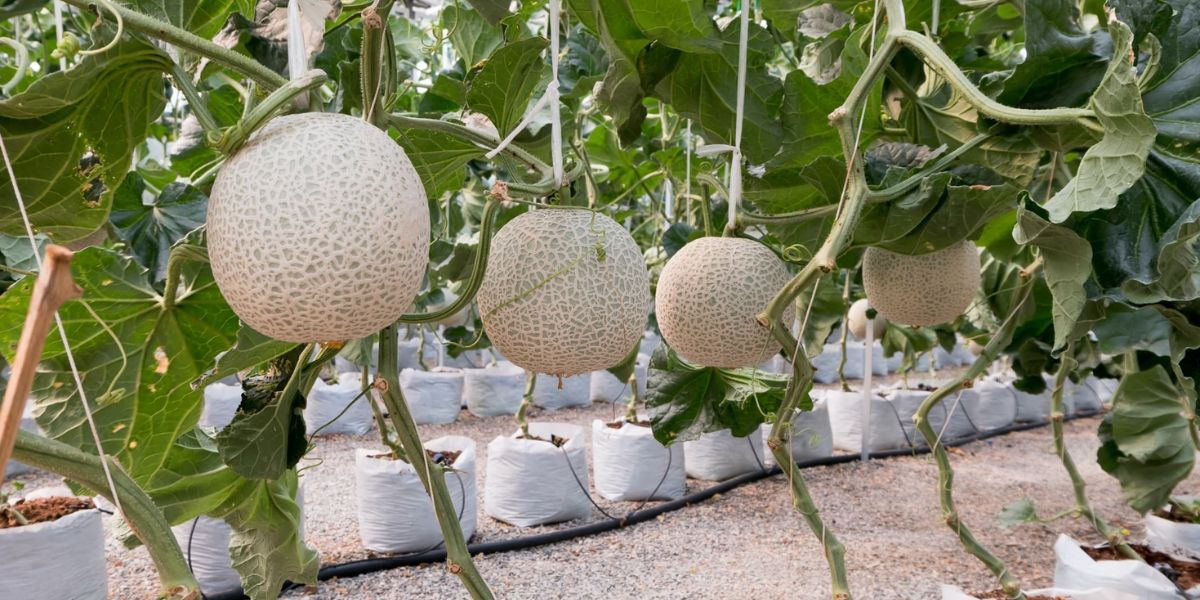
pixel 486 231
pixel 136 21
pixel 526 402
pixel 458 558
pixel 1002 337
pixel 487 142
pixel 1082 506
pixel 143 517
pixel 279 100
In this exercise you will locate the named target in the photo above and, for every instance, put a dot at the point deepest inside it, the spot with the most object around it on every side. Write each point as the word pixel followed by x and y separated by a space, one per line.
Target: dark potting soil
pixel 558 442
pixel 44 510
pixel 1185 574
pixel 622 422
pixel 1174 516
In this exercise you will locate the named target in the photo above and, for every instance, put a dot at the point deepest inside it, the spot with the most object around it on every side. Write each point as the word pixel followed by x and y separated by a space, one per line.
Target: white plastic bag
pixel 895 361
pixel 56 560
pixel 950 592
pixel 1104 388
pixel 1031 408
pixel 845 421
pixel 494 391
pixel 205 545
pixel 1174 538
pixel 943 359
pixel 534 482
pixel 575 391
pixel 221 402
pixel 718 456
pixel 394 511
pixel 433 396
pixel 630 464
pixel 826 363
pixel 812 435
pixel 992 405
pixel 326 401
pixel 1074 569
pixel 1083 398
pixel 605 387
pixel 650 342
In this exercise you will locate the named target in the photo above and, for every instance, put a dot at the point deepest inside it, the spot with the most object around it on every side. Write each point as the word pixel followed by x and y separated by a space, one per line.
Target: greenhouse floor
pixel 748 543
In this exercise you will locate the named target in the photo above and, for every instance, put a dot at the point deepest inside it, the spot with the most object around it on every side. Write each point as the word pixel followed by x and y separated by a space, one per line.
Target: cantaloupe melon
pixel 708 298
pixel 856 319
pixel 566 292
pixel 925 289
pixel 318 229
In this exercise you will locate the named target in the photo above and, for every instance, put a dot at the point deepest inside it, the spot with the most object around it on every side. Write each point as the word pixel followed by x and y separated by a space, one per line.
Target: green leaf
pixel 251 349
pixel 1125 329
pixel 138 372
pixel 823 308
pixel 1176 272
pixel 1018 513
pixel 805 117
pixel 440 159
pixel 151 229
pixel 624 369
pixel 267 435
pixel 18 254
pixel 501 87
pixel 492 10
pixel 1115 163
pixel 71 136
pixel 681 24
pixel 584 64
pixel 962 213
pixel 1068 266
pixel 685 401
pixel 703 87
pixel 201 17
pixel 472 36
pixel 1147 445
pixel 265 545
pixel 1063 63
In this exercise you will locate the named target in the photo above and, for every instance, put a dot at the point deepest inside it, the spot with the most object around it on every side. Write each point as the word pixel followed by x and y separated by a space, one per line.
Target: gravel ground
pixel 747 543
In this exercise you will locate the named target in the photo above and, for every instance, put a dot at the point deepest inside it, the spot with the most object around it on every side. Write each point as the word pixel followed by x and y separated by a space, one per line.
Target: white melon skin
pixel 549 301
pixel 856 319
pixel 927 289
pixel 318 229
pixel 708 299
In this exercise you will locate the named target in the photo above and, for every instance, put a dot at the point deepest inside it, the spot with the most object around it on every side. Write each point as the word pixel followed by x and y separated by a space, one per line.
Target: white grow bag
pixel 57 560
pixel 825 364
pixel 576 391
pixel 433 396
pixel 326 401
pixel 205 545
pixel 631 465
pixel 1104 388
pixel 812 436
pixel 1031 408
pixel 1074 569
pixel 394 511
pixel 1084 400
pixel 991 405
pixel 1181 540
pixel 494 391
pixel 718 456
pixel 605 387
pixel 895 361
pixel 533 482
pixel 221 402
pixel 845 421
pixel 950 592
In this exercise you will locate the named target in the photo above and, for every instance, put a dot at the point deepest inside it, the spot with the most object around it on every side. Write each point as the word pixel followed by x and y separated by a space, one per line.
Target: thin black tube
pixel 371 565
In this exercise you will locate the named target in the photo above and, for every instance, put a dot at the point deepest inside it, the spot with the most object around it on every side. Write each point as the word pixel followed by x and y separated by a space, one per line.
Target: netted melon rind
pixel 565 292
pixel 921 290
pixel 708 299
pixel 856 321
pixel 318 229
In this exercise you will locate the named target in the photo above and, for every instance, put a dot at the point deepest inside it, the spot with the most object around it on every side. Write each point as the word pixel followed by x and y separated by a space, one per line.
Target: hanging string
pixel 62 333
pixel 687 177
pixel 551 98
pixel 297 53
pixel 734 168
pixel 668 186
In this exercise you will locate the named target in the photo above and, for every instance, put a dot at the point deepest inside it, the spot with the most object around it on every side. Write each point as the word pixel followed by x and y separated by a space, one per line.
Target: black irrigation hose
pixel 371 565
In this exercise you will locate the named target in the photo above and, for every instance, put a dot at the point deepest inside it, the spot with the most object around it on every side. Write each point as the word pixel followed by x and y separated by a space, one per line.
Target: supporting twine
pixel 735 150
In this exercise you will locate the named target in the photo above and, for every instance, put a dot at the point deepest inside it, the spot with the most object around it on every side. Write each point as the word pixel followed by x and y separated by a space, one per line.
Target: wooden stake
pixel 54 287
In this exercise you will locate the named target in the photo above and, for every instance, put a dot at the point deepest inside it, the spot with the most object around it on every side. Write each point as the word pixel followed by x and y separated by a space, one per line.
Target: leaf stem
pixel 458 558
pixel 484 141
pixel 136 21
pixel 183 81
pixel 526 402
pixel 140 512
pixel 280 99
pixel 487 227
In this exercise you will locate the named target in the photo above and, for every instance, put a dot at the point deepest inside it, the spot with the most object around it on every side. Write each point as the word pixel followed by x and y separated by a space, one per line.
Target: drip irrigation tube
pixel 371 565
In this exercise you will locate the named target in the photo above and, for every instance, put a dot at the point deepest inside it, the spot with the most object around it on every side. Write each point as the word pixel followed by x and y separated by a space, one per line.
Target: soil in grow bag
pixel 445 458
pixel 44 510
pixel 1185 574
pixel 621 423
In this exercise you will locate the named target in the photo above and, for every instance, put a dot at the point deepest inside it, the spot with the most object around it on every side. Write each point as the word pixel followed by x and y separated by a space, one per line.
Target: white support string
pixel 733 173
pixel 58 33
pixel 550 98
pixel 687 176
pixel 668 186
pixel 297 53
pixel 62 333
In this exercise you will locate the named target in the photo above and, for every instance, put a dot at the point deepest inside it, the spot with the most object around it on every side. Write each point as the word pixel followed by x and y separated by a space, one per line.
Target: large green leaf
pixel 1115 163
pixel 1177 269
pixel 137 367
pixel 1124 329
pixel 1147 444
pixel 820 310
pixel 685 401
pixel 71 136
pixel 963 212
pixel 1068 265
pixel 440 159
pixel 473 38
pixel 681 24
pixel 201 17
pixel 1063 62
pixel 501 86
pixel 152 228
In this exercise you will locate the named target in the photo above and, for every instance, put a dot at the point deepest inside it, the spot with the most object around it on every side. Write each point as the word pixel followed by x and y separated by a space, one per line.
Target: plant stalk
pixel 1082 506
pixel 140 512
pixel 458 559
pixel 136 21
pixel 526 402
pixel 478 269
